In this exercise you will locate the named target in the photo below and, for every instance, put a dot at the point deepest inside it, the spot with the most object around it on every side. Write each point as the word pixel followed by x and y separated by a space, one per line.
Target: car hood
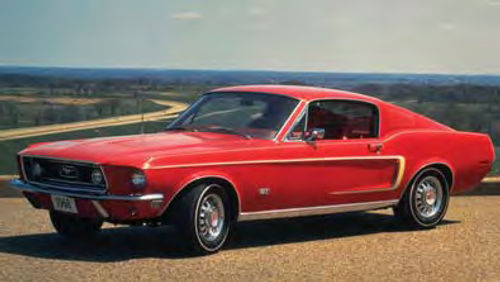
pixel 134 150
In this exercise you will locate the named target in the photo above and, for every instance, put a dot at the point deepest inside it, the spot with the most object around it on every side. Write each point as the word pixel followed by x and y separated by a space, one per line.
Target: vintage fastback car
pixel 257 152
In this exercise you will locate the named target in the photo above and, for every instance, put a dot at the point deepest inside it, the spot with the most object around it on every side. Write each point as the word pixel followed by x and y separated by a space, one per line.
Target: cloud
pixel 256 11
pixel 190 15
pixel 258 26
pixel 446 26
pixel 493 2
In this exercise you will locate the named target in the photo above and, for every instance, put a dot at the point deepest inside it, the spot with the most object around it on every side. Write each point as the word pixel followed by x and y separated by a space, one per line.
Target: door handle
pixel 375 147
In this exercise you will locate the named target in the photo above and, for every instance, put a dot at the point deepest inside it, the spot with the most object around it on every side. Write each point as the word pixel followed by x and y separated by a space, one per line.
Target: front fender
pixel 174 181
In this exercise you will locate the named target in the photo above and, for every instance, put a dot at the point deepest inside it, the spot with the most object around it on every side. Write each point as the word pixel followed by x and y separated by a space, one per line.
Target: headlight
pixel 138 179
pixel 37 170
pixel 97 177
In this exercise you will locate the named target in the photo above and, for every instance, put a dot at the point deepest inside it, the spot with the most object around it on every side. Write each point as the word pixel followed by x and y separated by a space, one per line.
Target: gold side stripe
pixel 395 184
pixel 277 161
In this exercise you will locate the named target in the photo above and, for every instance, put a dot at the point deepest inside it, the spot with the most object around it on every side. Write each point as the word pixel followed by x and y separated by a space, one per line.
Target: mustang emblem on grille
pixel 68 171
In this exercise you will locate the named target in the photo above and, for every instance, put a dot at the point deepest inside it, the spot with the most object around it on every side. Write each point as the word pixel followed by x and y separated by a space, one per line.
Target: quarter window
pixel 297 132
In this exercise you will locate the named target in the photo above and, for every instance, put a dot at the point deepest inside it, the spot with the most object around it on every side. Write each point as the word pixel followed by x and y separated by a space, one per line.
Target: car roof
pixel 306 93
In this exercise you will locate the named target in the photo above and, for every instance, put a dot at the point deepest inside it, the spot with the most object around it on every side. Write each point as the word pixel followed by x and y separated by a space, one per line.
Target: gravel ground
pixel 356 246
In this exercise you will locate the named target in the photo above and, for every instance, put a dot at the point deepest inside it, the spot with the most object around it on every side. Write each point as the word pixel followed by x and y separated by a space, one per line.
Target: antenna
pixel 142 112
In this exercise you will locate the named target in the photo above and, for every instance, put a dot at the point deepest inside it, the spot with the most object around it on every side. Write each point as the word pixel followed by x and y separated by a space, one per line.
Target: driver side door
pixel 348 163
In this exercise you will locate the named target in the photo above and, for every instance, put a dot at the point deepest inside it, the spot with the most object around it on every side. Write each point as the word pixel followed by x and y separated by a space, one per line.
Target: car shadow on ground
pixel 124 243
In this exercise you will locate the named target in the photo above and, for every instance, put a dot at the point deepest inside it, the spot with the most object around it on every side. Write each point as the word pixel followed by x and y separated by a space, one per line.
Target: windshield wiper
pixel 226 130
pixel 180 128
pixel 209 129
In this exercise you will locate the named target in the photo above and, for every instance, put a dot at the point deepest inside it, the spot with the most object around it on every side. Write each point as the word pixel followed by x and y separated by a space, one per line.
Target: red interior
pixel 339 126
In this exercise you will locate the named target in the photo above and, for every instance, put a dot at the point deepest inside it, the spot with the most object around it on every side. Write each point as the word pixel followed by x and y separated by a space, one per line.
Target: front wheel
pixel 72 226
pixel 424 204
pixel 203 216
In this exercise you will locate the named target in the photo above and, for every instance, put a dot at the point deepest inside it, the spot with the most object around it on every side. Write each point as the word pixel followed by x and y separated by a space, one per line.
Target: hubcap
pixel 211 218
pixel 429 196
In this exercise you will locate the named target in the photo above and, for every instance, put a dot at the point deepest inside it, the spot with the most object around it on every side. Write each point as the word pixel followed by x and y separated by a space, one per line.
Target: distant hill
pixel 225 77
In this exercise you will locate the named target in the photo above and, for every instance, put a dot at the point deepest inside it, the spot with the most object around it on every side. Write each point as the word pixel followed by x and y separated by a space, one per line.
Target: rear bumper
pixel 109 207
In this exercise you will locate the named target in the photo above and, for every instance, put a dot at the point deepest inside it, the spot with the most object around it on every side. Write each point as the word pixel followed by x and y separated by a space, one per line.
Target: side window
pixel 343 119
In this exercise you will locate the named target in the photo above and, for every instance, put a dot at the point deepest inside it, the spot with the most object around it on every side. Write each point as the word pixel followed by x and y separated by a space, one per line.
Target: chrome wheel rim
pixel 211 218
pixel 429 197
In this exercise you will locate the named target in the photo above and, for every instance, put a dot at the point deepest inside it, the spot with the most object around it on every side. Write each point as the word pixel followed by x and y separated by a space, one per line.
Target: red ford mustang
pixel 257 152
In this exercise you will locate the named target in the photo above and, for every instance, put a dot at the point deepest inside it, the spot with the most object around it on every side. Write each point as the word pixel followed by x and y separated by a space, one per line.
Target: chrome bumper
pixel 23 186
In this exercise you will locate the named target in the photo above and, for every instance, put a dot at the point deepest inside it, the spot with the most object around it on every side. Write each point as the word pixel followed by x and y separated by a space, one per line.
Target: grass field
pixel 11 147
pixel 496 165
pixel 30 106
pixel 25 106
pixel 31 111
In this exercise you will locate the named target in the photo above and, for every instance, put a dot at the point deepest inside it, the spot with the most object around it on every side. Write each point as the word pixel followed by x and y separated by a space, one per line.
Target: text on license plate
pixel 64 204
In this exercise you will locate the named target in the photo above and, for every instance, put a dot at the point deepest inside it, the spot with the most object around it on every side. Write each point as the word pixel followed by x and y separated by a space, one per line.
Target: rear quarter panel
pixel 468 155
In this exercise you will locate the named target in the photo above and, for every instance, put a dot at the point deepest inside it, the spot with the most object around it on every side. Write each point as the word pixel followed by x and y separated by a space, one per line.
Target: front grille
pixel 62 174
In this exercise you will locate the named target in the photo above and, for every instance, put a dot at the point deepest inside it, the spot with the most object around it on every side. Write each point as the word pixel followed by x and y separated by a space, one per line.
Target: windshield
pixel 251 115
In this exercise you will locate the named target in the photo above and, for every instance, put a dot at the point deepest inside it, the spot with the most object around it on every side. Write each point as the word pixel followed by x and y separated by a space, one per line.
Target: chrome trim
pixel 295 122
pixel 106 186
pixel 306 123
pixel 23 186
pixel 81 190
pixel 66 172
pixel 23 170
pixel 316 134
pixel 186 110
pixel 60 159
pixel 93 164
pixel 71 182
pixel 280 131
pixel 100 209
pixel 317 210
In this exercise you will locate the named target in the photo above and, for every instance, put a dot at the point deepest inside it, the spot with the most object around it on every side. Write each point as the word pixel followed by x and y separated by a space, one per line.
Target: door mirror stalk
pixel 315 134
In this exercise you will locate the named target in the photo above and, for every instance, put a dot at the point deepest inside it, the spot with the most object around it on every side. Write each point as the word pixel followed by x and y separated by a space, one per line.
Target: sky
pixel 426 36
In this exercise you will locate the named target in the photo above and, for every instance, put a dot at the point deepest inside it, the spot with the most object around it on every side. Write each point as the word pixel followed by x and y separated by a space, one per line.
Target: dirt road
pixel 17 133
pixel 354 247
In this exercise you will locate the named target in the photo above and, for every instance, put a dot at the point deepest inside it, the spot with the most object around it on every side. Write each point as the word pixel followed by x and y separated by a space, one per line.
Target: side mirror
pixel 315 134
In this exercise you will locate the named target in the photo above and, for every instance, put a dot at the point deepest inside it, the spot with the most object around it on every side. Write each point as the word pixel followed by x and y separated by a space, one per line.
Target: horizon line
pixel 97 67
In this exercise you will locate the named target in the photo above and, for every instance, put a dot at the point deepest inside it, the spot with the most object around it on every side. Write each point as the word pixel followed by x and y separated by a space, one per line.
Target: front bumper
pixel 110 207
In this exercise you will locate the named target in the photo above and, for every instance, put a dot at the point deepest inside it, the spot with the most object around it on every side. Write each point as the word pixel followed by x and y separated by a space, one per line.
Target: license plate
pixel 64 204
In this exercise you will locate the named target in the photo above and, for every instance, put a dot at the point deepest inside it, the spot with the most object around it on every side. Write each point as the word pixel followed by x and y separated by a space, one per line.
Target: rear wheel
pixel 424 204
pixel 203 216
pixel 72 226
